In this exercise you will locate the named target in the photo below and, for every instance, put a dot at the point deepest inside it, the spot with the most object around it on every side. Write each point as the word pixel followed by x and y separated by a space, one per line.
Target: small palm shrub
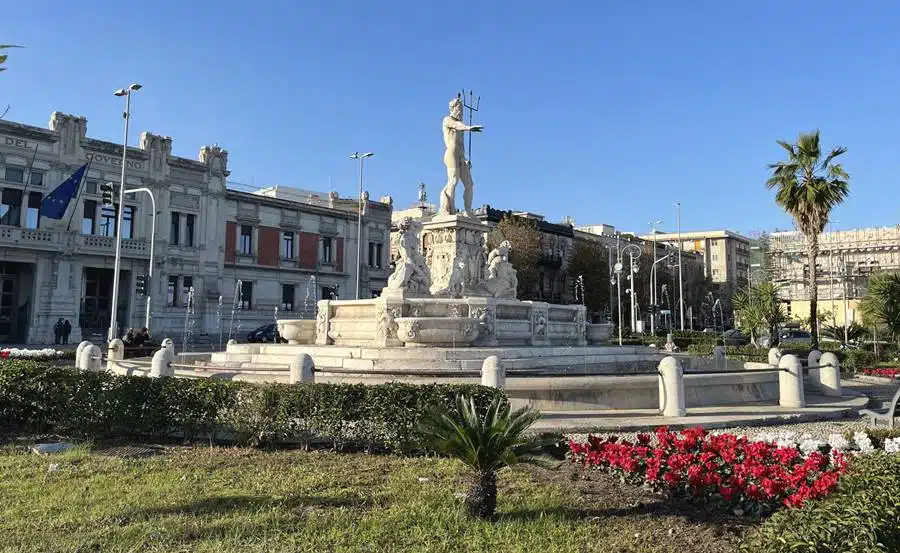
pixel 486 442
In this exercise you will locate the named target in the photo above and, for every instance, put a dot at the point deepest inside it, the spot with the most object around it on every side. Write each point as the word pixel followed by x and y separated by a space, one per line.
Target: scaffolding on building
pixel 845 261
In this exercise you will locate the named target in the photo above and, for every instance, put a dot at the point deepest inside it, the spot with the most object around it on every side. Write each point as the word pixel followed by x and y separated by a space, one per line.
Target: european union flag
pixel 56 203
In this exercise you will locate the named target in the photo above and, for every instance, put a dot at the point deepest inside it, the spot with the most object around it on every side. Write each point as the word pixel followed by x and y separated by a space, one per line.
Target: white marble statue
pixel 411 273
pixel 502 280
pixel 458 167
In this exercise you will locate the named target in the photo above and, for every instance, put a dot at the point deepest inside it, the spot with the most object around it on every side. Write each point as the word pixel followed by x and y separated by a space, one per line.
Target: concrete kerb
pixel 671 388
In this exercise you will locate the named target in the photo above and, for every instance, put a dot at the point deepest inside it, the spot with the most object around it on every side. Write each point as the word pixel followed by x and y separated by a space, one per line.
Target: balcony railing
pixel 56 240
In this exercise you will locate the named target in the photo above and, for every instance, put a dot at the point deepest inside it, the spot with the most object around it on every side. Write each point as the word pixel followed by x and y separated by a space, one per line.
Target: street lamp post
pixel 113 323
pixel 653 278
pixel 149 294
pixel 617 280
pixel 359 211
pixel 633 249
pixel 680 276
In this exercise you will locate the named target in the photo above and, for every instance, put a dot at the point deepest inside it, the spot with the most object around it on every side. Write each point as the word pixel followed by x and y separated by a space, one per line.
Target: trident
pixel 472 106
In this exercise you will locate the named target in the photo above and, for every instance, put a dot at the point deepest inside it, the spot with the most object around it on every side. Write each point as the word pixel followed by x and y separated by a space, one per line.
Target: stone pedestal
pixel 455 253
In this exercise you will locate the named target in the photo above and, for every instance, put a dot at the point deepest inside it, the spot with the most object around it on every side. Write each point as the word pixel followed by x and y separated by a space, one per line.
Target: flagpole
pixel 25 189
pixel 78 194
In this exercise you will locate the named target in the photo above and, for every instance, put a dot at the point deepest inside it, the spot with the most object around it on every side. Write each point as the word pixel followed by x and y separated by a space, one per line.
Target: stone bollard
pixel 774 356
pixel 829 382
pixel 78 351
pixel 812 376
pixel 302 368
pixel 115 353
pixel 493 375
pixel 671 388
pixel 161 364
pixel 790 382
pixel 91 359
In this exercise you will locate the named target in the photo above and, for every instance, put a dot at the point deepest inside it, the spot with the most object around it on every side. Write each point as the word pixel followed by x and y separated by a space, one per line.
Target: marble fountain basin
pixel 297 331
pixel 436 331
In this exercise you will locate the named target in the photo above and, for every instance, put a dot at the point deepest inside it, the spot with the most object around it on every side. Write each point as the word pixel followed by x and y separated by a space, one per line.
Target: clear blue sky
pixel 606 111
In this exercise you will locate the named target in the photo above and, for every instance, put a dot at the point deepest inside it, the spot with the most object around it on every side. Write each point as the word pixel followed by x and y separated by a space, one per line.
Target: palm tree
pixel 809 185
pixel 881 304
pixel 748 311
pixel 486 442
pixel 3 56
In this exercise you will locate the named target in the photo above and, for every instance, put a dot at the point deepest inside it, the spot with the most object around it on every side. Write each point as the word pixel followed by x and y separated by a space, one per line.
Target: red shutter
pixel 339 255
pixel 268 246
pixel 309 250
pixel 230 238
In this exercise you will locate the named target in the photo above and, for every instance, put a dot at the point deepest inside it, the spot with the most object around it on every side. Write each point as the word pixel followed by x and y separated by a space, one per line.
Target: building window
pixel 287 245
pixel 246 298
pixel 175 228
pixel 375 252
pixel 89 219
pixel 32 217
pixel 246 244
pixel 90 187
pixel 170 292
pixel 10 207
pixel 108 221
pixel 14 174
pixel 329 292
pixel 36 178
pixel 186 284
pixel 326 249
pixel 189 223
pixel 128 222
pixel 287 297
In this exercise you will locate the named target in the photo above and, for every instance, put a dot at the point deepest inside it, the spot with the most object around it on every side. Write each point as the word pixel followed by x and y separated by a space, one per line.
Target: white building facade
pixel 207 237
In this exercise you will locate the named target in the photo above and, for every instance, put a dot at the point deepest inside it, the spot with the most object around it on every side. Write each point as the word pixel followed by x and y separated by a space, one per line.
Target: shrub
pixel 855 360
pixel 37 398
pixel 722 469
pixel 859 517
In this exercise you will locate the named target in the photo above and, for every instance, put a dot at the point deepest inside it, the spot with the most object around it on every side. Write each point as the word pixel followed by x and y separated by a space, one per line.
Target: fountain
pixel 238 297
pixel 187 334
pixel 447 306
pixel 219 319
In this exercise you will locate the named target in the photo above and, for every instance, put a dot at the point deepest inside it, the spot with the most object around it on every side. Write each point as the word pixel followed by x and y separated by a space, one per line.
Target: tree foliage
pixel 881 304
pixel 758 308
pixel 525 254
pixel 808 185
pixel 590 261
pixel 3 57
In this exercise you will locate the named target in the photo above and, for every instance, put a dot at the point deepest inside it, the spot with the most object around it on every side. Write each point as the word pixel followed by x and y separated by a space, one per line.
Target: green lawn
pixel 238 500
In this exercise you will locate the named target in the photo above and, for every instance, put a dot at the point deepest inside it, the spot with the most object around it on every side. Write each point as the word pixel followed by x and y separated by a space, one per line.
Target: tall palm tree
pixel 486 442
pixel 881 304
pixel 808 186
pixel 4 56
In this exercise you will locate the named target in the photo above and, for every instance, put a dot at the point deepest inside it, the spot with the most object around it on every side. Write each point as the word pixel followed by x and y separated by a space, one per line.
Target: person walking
pixel 66 330
pixel 57 332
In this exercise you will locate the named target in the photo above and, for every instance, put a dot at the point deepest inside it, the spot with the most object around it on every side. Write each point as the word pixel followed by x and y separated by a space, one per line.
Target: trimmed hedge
pixel 859 517
pixel 37 398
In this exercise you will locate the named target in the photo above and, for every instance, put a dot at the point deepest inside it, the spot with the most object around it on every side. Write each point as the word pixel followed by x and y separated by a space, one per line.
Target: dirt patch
pixel 650 522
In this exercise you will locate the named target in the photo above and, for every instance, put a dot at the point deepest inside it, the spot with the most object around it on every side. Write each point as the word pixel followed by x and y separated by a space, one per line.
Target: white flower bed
pixel 806 443
pixel 39 354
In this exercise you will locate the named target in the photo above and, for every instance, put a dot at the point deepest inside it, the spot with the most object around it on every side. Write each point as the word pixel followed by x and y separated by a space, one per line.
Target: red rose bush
pixel 733 471
pixel 892 372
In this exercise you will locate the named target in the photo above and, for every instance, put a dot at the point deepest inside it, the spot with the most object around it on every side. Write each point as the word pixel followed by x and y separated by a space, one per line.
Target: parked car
pixel 264 334
pixel 794 337
pixel 735 337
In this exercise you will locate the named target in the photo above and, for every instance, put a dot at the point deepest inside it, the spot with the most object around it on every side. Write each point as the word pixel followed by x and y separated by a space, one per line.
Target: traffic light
pixel 140 285
pixel 108 190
